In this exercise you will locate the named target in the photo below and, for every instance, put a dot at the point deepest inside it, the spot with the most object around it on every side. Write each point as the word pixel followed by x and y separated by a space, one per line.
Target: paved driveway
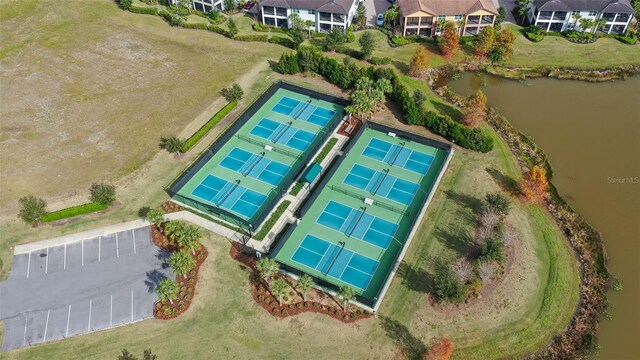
pixel 375 7
pixel 80 287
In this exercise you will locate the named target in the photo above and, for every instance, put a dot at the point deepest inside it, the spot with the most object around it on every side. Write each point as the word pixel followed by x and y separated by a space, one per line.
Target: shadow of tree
pixel 506 183
pixel 413 347
pixel 456 239
pixel 273 65
pixel 446 109
pixel 415 279
pixel 469 201
pixel 163 256
pixel 402 67
pixel 153 279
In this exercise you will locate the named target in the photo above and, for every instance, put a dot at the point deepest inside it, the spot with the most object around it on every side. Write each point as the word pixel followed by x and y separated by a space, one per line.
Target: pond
pixel 591 134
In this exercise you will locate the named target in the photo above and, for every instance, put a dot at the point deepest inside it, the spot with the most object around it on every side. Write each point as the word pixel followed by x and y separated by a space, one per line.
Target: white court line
pixel 24 337
pixel 29 264
pixel 46 326
pixel 133 232
pixel 66 333
pixel 111 312
pixel 131 305
pixel 82 241
pixel 90 306
pixel 65 257
pixel 99 246
pixel 46 262
pixel 117 247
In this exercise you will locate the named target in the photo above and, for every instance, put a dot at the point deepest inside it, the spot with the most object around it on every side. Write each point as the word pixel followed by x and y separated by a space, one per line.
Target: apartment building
pixel 561 15
pixel 325 14
pixel 426 17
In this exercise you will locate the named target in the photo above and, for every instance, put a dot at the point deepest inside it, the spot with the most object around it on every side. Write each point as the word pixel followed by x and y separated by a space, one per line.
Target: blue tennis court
pixel 398 155
pixel 335 261
pixel 357 223
pixel 256 166
pixel 284 134
pixel 229 195
pixel 381 183
pixel 304 111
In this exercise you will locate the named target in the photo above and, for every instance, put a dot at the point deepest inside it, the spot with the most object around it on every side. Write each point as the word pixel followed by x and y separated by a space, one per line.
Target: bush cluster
pixel 268 28
pixel 380 61
pixel 286 42
pixel 188 25
pixel 204 130
pixel 309 59
pixel 143 10
pixel 219 30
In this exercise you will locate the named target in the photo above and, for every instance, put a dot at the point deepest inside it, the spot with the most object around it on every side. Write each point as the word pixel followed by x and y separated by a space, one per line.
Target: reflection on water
pixel 591 134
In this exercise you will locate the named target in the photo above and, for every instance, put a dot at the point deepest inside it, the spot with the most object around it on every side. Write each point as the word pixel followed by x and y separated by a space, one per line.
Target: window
pixel 441 18
pixel 473 19
pixel 412 21
pixel 487 19
pixel 311 12
pixel 281 12
pixel 457 17
pixel 593 13
pixel 426 21
pixel 295 11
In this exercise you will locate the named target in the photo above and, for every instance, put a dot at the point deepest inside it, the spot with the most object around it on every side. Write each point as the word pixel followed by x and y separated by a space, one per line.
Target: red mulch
pixel 356 125
pixel 268 302
pixel 170 207
pixel 165 310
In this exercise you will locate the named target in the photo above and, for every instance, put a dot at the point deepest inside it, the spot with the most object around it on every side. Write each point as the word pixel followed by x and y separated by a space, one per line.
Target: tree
pixel 335 38
pixel 439 349
pixel 267 267
pixel 391 16
pixel 155 216
pixel 126 355
pixel 419 62
pixel 486 271
pixel 475 109
pixel 310 25
pixel 522 8
pixel 297 36
pixel 463 269
pixel 184 3
pixel 381 89
pixel 449 39
pixel 361 16
pixel 497 202
pixel 189 238
pixel 102 193
pixel 279 288
pixel 534 185
pixel 125 4
pixel 229 5
pixel 447 286
pixel 232 93
pixel 503 46
pixel 484 41
pixel 599 24
pixel 167 290
pixel 419 97
pixel 367 44
pixel 172 144
pixel 304 284
pixel 585 23
pixel 577 16
pixel 214 15
pixel 488 218
pixel 181 262
pixel 148 355
pixel 233 28
pixel 173 228
pixel 492 249
pixel 32 209
pixel 502 14
pixel 347 293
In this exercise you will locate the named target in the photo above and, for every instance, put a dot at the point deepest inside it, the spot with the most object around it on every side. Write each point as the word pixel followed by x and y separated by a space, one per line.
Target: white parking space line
pixel 66 333
pixel 82 241
pixel 46 326
pixel 29 264
pixel 46 262
pixel 65 257
pixel 134 240
pixel 111 312
pixel 99 247
pixel 117 249
pixel 131 305
pixel 24 337
pixel 89 325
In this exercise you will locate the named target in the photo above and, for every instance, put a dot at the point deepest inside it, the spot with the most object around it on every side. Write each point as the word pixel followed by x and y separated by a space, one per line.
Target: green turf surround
pixel 239 136
pixel 327 192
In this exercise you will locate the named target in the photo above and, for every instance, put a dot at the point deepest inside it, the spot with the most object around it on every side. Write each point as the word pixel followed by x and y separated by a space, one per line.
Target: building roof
pixel 612 6
pixel 445 7
pixel 331 6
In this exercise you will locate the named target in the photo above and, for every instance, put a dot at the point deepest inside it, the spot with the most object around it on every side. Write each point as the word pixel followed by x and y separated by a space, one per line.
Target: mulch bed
pixel 267 301
pixel 355 123
pixel 170 207
pixel 166 310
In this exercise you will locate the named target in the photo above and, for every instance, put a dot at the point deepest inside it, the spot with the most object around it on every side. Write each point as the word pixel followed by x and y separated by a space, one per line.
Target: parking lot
pixel 80 287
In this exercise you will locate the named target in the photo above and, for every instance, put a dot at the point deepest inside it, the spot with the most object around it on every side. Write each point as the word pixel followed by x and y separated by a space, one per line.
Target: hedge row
pixel 204 130
pixel 325 150
pixel 200 26
pixel 268 225
pixel 309 59
pixel 74 211
pixel 263 38
pixel 144 10
pixel 268 28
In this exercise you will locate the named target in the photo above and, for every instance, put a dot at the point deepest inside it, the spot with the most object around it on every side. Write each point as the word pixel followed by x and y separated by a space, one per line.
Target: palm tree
pixel 173 228
pixel 303 285
pixel 576 16
pixel 155 216
pixel 382 87
pixel 188 237
pixel 181 262
pixel 347 294
pixel 585 24
pixel 172 144
pixel 310 25
pixel 599 24
pixel 267 268
pixel 279 288
pixel 167 290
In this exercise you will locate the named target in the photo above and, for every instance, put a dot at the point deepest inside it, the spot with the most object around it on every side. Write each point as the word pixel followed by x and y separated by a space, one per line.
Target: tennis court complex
pixel 359 218
pixel 243 175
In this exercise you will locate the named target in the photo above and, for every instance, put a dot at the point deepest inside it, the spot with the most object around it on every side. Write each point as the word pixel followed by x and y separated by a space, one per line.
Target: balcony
pixel 559 16
pixel 609 16
pixel 487 20
pixel 545 15
pixel 325 16
pixel 338 18
pixel 623 18
pixel 281 12
pixel 473 20
pixel 413 21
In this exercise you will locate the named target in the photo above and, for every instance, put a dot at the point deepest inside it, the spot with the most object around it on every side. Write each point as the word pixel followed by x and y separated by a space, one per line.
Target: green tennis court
pixel 359 218
pixel 244 174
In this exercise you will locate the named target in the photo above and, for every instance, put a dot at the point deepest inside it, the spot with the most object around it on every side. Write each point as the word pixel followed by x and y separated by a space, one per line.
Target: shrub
pixel 446 284
pixel 325 150
pixel 380 60
pixel 201 26
pixel 263 38
pixel 492 249
pixel 399 41
pixel 155 216
pixel 125 4
pixel 32 209
pixel 143 10
pixel 534 33
pixel 204 130
pixel 232 93
pixel 498 202
pixel 276 311
pixel 266 227
pixel 102 193
pixel 307 305
pixel 283 41
pixel 296 188
pixel 219 30
pixel 299 305
pixel 337 313
pixel 171 18
pixel 629 40
pixel 73 211
pixel 215 16
pixel 285 312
